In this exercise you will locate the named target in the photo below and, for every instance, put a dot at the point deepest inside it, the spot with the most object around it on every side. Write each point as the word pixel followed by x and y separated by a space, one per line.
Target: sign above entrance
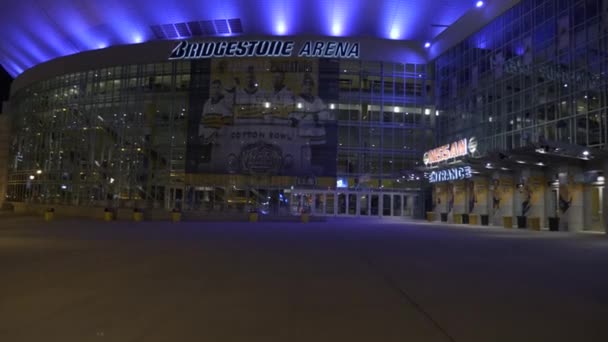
pixel 453 150
pixel 264 48
pixel 453 174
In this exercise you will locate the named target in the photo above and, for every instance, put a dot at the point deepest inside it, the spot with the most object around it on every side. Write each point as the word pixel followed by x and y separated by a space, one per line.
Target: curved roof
pixel 35 31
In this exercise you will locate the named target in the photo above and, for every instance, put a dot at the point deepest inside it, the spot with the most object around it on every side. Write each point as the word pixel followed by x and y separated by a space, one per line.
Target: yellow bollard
pixel 108 215
pixel 305 217
pixel 49 215
pixel 253 217
pixel 534 223
pixel 507 221
pixel 176 216
pixel 138 216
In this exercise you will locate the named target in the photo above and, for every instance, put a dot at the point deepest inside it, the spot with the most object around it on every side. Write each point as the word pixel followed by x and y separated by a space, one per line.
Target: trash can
pixel 176 215
pixel 444 217
pixel 430 216
pixel 458 218
pixel 49 214
pixel 554 224
pixel 108 215
pixel 485 220
pixel 465 218
pixel 507 221
pixel 534 223
pixel 522 222
pixel 138 216
pixel 473 219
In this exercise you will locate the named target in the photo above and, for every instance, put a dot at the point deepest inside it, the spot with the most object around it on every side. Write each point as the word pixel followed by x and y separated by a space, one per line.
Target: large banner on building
pixel 264 117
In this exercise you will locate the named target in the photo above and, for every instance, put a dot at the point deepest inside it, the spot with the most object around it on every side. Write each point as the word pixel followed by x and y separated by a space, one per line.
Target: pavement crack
pixel 404 294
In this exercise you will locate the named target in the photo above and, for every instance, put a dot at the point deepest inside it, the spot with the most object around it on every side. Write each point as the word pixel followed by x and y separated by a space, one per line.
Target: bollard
pixel 176 215
pixel 138 216
pixel 49 214
pixel 305 217
pixel 253 216
pixel 108 215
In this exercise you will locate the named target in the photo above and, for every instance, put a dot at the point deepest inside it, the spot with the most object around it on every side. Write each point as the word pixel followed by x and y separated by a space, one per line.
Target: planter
pixel 444 217
pixel 465 218
pixel 507 222
pixel 430 216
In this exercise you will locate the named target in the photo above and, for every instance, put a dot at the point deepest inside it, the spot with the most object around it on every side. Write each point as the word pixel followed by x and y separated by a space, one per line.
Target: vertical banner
pixel 440 197
pixel 263 117
pixel 460 202
pixel 502 197
pixel 450 197
pixel 199 90
pixel 480 193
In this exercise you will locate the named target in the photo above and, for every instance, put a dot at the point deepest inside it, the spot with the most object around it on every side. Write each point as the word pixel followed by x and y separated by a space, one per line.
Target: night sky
pixel 5 84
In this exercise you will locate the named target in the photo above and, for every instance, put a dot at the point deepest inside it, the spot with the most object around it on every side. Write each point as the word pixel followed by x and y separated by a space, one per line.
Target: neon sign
pixel 453 174
pixel 453 150
pixel 264 48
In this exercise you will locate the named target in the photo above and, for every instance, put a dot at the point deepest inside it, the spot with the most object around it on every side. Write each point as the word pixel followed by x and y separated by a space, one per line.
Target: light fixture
pixel 540 164
pixel 332 106
pixel 39 172
pixel 427 45
pixel 266 104
pixel 600 178
pixel 586 153
pixel 32 177
pixel 520 162
pixel 479 4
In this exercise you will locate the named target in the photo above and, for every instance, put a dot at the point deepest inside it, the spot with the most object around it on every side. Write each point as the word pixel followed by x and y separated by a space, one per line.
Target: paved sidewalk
pixel 340 280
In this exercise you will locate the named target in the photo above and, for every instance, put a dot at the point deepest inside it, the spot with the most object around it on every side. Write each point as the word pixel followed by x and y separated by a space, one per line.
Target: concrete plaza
pixel 339 280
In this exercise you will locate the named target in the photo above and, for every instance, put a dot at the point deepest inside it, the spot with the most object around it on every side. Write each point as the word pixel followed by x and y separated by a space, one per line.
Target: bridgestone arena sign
pixel 264 48
pixel 454 174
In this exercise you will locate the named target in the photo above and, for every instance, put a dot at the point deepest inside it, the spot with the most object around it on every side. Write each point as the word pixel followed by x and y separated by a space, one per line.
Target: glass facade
pixel 123 136
pixel 536 72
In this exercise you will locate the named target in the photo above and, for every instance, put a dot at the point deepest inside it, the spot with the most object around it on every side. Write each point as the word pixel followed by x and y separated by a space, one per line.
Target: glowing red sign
pixel 450 151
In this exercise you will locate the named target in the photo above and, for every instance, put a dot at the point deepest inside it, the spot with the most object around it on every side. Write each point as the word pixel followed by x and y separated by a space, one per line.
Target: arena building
pixel 336 107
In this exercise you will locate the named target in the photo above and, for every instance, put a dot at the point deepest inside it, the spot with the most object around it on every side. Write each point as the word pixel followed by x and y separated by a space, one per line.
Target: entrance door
pixel 386 205
pixel 374 205
pixel 364 205
pixel 397 205
pixel 342 203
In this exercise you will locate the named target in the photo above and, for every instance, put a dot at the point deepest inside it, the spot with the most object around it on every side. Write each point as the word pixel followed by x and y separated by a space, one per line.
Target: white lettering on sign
pixel 263 48
pixel 456 149
pixel 453 174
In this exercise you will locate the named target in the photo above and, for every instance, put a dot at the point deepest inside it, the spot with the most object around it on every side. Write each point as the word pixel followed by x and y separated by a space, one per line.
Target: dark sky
pixel 5 85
